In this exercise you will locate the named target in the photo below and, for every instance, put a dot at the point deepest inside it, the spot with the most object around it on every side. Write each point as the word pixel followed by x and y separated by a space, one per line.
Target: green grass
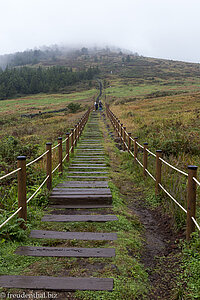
pixel 42 101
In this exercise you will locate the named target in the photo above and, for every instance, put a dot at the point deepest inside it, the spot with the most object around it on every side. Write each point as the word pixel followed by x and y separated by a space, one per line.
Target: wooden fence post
pixel 121 133
pixel 124 138
pixel 76 134
pixel 135 148
pixel 191 201
pixel 129 141
pixel 72 140
pixel 145 159
pixel 49 165
pixel 67 146
pixel 60 155
pixel 158 171
pixel 21 176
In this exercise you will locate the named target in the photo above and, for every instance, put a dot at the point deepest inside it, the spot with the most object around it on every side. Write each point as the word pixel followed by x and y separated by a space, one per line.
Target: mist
pixel 163 29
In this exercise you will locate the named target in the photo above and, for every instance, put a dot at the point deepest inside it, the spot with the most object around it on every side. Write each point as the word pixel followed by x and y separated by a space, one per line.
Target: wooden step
pixel 83 191
pixel 66 252
pixel 79 218
pixel 86 165
pixel 88 177
pixel 85 236
pixel 78 200
pixel 82 172
pixel 56 283
pixel 81 206
pixel 86 168
pixel 84 184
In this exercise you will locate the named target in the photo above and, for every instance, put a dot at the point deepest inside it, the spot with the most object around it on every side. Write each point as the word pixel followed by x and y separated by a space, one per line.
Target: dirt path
pixel 161 254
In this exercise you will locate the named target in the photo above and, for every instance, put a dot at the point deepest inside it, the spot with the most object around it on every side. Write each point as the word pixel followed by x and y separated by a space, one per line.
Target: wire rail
pixel 38 189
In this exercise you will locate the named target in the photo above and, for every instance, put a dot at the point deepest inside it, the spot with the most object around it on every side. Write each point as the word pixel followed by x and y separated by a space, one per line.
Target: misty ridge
pixel 55 52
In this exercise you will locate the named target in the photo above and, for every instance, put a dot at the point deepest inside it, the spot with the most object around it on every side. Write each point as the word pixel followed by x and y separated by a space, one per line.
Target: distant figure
pixel 100 105
pixel 96 106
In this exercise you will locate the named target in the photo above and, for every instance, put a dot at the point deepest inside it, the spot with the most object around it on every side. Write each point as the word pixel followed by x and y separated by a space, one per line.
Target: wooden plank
pixel 79 218
pixel 84 184
pixel 74 197
pixel 56 283
pixel 87 168
pixel 82 172
pixel 65 252
pixel 82 191
pixel 78 200
pixel 89 149
pixel 88 164
pixel 85 236
pixel 88 177
pixel 74 206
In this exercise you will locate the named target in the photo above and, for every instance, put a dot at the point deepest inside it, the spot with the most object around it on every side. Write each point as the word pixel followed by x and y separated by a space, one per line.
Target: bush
pixel 73 107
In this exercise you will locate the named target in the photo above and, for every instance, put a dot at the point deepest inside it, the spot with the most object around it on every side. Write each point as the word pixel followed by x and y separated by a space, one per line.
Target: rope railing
pixel 21 170
pixel 164 161
pixel 6 221
pixel 172 198
pixel 38 158
pixel 151 152
pixel 31 197
pixel 192 180
pixel 11 173
pixel 139 145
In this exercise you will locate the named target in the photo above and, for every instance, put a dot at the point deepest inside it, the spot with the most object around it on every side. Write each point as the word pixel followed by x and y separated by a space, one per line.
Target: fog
pixel 156 28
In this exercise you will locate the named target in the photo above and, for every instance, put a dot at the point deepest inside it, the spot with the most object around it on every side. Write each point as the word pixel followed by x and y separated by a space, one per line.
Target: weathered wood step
pixel 83 191
pixel 85 236
pixel 65 252
pixel 82 172
pixel 79 218
pixel 80 206
pixel 88 177
pixel 56 283
pixel 85 184
pixel 89 149
pixel 86 165
pixel 80 199
pixel 86 168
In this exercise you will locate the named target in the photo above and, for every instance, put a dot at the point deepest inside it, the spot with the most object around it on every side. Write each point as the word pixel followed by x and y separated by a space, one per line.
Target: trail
pixel 161 254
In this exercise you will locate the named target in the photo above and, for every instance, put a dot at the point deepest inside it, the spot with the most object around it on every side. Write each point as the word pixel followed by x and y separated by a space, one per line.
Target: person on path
pixel 96 106
pixel 100 105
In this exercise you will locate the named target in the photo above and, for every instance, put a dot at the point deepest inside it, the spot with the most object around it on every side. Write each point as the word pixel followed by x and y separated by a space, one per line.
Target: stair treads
pixel 88 177
pixel 75 184
pixel 80 206
pixel 85 236
pixel 66 252
pixel 87 168
pixel 89 149
pixel 87 165
pixel 83 191
pixel 60 196
pixel 56 283
pixel 82 172
pixel 79 218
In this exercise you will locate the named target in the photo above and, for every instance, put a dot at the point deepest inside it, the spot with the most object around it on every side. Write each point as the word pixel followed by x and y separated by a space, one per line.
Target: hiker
pixel 100 105
pixel 96 106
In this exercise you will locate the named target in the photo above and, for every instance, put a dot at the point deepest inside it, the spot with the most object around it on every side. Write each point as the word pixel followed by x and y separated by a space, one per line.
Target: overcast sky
pixel 156 28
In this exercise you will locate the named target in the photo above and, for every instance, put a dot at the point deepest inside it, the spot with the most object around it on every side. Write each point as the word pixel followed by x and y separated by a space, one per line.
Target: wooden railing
pixel 126 141
pixel 71 141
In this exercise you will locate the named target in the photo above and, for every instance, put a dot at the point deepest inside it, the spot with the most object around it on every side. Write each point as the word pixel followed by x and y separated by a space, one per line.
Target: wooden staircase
pixel 85 188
